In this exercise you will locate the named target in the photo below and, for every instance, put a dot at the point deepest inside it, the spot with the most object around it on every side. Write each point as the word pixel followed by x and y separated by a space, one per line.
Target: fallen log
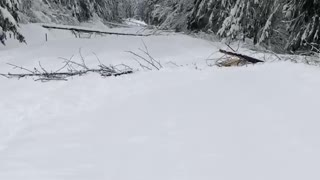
pixel 76 29
pixel 242 57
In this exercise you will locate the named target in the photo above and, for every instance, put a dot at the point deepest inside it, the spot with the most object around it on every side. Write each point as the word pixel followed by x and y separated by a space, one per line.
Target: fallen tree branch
pixel 67 71
pixel 242 57
pixel 78 30
pixel 146 61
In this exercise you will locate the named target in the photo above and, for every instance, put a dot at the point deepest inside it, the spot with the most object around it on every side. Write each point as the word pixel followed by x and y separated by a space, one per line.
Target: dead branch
pixel 141 65
pixel 76 30
pixel 173 63
pixel 228 44
pixel 68 70
pixel 242 57
pixel 82 59
pixel 19 67
pixel 146 61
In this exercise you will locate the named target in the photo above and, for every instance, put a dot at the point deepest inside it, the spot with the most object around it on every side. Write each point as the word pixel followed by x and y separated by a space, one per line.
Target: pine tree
pixel 168 14
pixel 75 11
pixel 9 17
pixel 304 23
pixel 280 25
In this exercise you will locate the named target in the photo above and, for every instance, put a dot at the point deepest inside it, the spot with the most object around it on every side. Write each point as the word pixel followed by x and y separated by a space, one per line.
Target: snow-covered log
pixel 83 30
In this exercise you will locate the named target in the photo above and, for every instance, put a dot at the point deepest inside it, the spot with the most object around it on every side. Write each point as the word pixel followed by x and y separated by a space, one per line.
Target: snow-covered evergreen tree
pixel 75 11
pixel 281 25
pixel 167 13
pixel 303 17
pixel 9 17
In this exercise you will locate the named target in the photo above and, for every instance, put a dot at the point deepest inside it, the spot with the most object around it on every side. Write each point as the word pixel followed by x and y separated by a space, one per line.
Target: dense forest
pixel 280 25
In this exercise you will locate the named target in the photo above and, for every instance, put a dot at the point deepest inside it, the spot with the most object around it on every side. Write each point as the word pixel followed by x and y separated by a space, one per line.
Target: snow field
pixel 248 123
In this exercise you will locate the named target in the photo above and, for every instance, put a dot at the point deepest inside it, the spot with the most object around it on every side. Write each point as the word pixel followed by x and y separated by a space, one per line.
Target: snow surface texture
pixel 256 122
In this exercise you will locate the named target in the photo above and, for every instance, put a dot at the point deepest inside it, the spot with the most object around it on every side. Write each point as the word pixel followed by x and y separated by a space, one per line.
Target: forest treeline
pixel 280 25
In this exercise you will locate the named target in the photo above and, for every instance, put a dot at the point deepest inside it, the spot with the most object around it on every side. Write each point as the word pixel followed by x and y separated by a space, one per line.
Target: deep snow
pixel 248 123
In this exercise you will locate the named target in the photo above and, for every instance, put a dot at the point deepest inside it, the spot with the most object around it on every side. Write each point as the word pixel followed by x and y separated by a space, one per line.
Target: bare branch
pixel 230 47
pixel 43 69
pixel 141 65
pixel 65 65
pixel 82 59
pixel 63 74
pixel 144 59
pixel 19 67
pixel 97 57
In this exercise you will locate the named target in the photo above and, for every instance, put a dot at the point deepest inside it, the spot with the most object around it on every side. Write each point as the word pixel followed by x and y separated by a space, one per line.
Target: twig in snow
pixel 82 59
pixel 146 61
pixel 20 67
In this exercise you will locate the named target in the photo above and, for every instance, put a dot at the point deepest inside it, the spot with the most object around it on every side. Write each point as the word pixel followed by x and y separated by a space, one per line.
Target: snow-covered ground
pixel 134 22
pixel 246 123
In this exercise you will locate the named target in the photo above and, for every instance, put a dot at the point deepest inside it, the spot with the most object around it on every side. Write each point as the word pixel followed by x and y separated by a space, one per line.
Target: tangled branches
pixel 69 69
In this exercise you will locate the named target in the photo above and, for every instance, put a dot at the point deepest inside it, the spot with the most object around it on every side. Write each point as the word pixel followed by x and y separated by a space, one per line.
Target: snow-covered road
pixel 250 123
